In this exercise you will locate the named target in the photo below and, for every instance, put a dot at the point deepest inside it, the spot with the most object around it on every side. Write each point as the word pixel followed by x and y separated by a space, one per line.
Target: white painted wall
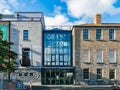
pixel 34 42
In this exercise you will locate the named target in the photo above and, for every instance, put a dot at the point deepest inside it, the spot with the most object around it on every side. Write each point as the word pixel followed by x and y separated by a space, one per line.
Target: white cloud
pixel 58 18
pixel 83 10
pixel 4 7
pixel 88 8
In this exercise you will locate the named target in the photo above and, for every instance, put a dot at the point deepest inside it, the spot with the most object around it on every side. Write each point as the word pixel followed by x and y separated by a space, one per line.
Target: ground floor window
pixel 85 73
pixel 112 74
pixel 99 74
pixel 57 76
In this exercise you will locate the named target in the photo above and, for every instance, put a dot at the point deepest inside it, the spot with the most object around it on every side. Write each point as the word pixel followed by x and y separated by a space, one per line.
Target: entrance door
pixel 57 77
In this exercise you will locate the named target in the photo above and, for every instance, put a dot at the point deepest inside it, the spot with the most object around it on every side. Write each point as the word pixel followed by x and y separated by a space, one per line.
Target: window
pixel 25 61
pixel 112 74
pixel 99 74
pixel 99 56
pixel 112 56
pixel 86 56
pixel 111 34
pixel 85 34
pixel 85 73
pixel 57 48
pixel 98 34
pixel 25 34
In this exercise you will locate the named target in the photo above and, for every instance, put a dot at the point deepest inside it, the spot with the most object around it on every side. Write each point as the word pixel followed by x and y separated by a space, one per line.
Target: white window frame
pixel 102 56
pixel 101 34
pixel 114 56
pixel 89 74
pixel 114 74
pixel 114 38
pixel 88 56
pixel 102 74
pixel 88 34
pixel 25 35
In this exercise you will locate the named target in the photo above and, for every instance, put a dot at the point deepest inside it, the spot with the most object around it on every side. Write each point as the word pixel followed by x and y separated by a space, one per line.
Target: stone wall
pixel 92 44
pixel 34 41
pixel 25 75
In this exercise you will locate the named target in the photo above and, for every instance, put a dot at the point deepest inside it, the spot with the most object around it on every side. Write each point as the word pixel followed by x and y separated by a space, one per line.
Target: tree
pixel 7 57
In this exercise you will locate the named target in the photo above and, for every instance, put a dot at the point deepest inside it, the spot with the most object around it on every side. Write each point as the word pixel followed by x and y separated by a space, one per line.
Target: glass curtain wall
pixel 57 48
pixel 57 54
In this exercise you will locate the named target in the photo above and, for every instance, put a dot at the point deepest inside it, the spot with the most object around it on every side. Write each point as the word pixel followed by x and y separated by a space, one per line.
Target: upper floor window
pixel 86 56
pixel 112 74
pixel 25 61
pixel 99 74
pixel 111 34
pixel 99 56
pixel 112 56
pixel 86 73
pixel 85 34
pixel 25 34
pixel 98 34
pixel 57 48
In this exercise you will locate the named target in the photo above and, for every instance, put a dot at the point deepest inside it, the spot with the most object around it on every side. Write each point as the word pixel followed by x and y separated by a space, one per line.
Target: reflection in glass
pixel 57 48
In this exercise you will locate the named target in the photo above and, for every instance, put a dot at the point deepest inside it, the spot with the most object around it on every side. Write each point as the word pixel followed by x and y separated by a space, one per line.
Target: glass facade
pixel 57 63
pixel 57 76
pixel 57 48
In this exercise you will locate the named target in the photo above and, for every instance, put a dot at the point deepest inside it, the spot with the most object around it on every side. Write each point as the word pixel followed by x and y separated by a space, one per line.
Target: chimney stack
pixel 97 19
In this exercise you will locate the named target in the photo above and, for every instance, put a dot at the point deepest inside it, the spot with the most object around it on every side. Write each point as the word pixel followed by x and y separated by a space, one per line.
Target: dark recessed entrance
pixel 57 76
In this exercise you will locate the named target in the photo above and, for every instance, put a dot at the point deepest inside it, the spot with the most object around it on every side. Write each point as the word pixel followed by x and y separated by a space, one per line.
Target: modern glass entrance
pixel 57 76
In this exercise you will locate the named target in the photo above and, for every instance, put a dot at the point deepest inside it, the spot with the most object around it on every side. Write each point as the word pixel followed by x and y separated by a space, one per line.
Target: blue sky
pixel 66 12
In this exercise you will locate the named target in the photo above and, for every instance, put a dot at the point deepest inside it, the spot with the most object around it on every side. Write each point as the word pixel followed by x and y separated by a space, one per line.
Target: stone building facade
pixel 96 49
pixel 25 31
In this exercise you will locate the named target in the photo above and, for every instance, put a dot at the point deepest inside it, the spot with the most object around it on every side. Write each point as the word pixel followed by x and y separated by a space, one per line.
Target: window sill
pixel 100 62
pixel 99 39
pixel 86 40
pixel 112 62
pixel 112 40
pixel 86 79
pixel 87 62
pixel 27 40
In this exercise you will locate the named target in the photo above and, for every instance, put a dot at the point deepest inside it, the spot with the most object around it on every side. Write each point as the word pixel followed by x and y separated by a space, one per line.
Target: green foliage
pixel 7 57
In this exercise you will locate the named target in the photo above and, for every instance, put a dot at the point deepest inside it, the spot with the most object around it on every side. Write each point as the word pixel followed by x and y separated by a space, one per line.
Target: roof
pixel 96 25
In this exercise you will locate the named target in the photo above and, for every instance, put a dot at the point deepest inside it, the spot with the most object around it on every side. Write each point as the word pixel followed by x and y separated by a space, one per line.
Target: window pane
pixel 99 74
pixel 25 34
pixel 111 34
pixel 85 34
pixel 98 34
pixel 25 61
pixel 85 73
pixel 112 56
pixel 112 74
pixel 86 56
pixel 53 58
pixel 99 56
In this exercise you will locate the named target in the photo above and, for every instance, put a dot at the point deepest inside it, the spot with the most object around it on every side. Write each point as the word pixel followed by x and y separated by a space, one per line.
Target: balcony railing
pixel 65 27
